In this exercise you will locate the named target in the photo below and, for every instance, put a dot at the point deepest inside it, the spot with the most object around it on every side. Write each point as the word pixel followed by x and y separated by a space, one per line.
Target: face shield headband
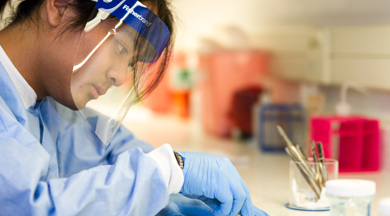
pixel 134 14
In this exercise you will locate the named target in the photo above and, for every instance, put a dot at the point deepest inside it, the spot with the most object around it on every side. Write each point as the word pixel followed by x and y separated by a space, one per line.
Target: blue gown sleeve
pixel 123 141
pixel 77 145
pixel 132 186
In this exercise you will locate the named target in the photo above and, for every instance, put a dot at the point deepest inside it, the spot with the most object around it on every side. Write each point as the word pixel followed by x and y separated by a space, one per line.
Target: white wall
pixel 201 17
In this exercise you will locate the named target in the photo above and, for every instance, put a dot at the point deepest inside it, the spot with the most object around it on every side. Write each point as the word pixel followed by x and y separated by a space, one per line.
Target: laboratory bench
pixel 266 174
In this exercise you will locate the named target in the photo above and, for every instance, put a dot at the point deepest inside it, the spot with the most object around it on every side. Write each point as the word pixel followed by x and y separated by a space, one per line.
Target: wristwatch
pixel 179 159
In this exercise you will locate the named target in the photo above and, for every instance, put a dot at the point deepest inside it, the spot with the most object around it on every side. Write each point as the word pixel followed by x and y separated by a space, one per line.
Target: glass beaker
pixel 307 184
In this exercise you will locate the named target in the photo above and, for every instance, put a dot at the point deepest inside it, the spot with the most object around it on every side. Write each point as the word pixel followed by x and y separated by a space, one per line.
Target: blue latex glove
pixel 213 203
pixel 215 177
pixel 180 205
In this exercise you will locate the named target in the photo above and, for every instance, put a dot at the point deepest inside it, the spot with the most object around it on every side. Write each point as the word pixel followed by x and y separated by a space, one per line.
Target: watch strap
pixel 179 159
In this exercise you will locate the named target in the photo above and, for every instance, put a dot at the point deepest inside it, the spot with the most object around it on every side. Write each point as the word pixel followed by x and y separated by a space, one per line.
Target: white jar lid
pixel 350 188
pixel 384 206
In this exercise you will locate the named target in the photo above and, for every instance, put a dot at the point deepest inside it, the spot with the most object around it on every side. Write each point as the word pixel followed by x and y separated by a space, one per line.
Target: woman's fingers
pixel 239 196
pixel 225 196
pixel 247 207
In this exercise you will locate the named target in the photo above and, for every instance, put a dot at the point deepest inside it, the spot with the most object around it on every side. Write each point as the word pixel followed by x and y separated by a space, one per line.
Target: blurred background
pixel 320 69
pixel 238 65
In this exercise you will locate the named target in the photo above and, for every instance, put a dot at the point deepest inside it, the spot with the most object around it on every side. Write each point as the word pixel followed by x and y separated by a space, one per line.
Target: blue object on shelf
pixel 292 118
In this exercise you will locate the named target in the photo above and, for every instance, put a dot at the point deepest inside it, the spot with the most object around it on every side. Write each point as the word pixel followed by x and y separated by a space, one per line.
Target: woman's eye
pixel 132 63
pixel 121 48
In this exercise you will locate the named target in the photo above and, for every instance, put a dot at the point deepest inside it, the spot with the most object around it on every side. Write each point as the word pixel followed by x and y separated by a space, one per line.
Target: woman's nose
pixel 117 75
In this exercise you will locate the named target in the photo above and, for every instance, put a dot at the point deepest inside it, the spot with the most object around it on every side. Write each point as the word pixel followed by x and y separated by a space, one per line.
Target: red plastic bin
pixel 353 141
pixel 224 73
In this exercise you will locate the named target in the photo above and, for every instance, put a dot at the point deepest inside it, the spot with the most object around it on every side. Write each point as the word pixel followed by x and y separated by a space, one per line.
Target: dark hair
pixel 86 12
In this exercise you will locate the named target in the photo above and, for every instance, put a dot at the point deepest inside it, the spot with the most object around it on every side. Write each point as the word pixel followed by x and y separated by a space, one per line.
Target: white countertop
pixel 267 175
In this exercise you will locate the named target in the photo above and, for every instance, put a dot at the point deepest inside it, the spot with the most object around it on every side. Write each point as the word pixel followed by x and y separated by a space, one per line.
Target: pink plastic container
pixel 222 74
pixel 353 141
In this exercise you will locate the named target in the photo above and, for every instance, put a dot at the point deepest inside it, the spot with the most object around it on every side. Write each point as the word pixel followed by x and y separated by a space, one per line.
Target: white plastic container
pixel 350 197
pixel 384 207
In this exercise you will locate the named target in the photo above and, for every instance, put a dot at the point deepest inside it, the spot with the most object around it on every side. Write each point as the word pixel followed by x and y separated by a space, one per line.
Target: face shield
pixel 115 62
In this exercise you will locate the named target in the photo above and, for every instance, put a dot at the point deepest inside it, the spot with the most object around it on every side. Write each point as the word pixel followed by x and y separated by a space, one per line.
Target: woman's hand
pixel 215 177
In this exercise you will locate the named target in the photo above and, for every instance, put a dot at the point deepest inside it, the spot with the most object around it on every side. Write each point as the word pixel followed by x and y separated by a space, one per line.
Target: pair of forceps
pixel 315 176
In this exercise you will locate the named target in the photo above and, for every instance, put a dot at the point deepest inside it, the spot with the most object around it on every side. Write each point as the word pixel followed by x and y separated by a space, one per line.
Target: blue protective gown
pixel 52 163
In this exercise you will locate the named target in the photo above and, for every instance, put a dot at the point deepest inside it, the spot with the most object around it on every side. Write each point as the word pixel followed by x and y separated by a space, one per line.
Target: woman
pixel 60 158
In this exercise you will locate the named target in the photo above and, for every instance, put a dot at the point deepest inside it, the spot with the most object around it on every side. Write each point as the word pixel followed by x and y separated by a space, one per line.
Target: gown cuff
pixel 166 160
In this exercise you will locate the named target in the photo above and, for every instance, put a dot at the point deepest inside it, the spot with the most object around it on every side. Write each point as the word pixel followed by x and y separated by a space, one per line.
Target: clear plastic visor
pixel 113 64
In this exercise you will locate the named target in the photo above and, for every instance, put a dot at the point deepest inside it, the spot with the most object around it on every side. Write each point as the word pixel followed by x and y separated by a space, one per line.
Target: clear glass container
pixel 349 197
pixel 305 196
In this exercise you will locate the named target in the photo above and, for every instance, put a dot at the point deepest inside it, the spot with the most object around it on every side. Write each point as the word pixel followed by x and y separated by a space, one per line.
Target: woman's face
pixel 108 65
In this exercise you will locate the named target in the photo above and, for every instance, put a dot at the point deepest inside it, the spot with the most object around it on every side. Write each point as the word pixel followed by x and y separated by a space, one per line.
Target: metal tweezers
pixel 315 177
